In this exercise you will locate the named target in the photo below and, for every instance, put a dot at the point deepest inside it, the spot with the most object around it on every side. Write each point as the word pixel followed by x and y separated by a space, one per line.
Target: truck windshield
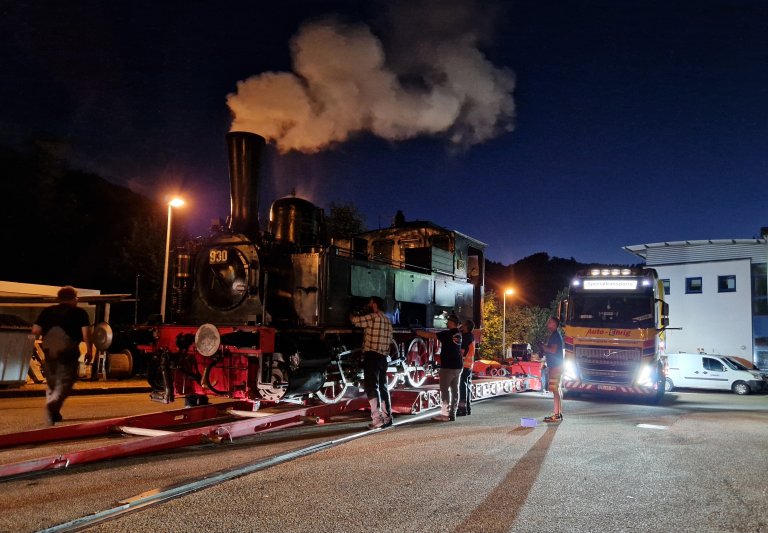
pixel 601 310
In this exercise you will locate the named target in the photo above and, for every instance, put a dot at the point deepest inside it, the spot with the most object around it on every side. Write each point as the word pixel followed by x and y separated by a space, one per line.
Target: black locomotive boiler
pixel 264 314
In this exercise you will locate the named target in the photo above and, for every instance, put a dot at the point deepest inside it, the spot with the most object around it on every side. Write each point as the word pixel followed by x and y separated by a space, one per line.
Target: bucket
pixel 528 422
pixel 119 365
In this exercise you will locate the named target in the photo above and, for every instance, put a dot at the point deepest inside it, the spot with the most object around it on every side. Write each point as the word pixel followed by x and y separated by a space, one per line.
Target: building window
pixel 665 282
pixel 693 285
pixel 726 283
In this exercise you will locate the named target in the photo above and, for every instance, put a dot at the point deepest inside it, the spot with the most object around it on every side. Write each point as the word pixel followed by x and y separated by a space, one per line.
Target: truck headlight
pixel 645 376
pixel 569 369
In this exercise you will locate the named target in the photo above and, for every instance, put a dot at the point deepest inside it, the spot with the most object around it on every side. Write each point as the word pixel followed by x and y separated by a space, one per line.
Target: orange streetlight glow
pixel 504 324
pixel 174 202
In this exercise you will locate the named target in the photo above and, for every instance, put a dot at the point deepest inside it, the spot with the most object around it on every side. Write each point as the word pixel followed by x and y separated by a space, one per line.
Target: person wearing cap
pixel 63 327
pixel 377 337
pixel 451 366
pixel 553 351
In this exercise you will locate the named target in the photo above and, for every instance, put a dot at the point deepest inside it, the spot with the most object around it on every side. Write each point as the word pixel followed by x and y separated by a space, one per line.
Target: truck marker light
pixel 609 284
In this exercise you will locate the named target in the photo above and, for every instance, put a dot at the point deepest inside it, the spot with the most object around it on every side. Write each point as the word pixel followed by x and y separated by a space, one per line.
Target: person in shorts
pixel 553 351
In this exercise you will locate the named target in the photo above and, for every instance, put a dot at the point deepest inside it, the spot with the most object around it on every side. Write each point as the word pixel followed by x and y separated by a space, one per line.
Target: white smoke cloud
pixel 438 83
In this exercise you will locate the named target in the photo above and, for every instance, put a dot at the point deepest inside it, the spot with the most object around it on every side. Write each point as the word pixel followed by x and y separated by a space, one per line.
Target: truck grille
pixel 614 365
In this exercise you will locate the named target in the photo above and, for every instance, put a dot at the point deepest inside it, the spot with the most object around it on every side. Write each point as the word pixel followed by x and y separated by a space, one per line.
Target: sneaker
pixel 389 421
pixel 461 412
pixel 441 418
pixel 376 425
pixel 554 418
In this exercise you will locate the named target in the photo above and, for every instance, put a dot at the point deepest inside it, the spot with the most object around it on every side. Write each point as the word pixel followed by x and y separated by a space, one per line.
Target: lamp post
pixel 504 324
pixel 176 202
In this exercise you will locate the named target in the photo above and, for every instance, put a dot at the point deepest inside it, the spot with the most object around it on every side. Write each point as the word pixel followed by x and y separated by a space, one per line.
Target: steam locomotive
pixel 264 315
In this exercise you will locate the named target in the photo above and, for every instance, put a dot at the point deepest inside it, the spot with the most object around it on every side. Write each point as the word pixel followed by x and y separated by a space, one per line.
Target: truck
pixel 613 321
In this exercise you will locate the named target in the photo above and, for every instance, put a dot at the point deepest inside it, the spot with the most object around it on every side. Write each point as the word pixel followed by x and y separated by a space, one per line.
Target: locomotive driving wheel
pixel 393 371
pixel 335 385
pixel 332 391
pixel 417 361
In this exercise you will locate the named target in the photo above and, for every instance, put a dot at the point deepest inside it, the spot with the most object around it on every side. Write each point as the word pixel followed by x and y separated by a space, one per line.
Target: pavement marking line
pixel 652 426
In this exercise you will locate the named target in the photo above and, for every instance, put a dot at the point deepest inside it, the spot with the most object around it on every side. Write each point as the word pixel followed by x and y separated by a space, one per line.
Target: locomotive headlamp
pixel 207 340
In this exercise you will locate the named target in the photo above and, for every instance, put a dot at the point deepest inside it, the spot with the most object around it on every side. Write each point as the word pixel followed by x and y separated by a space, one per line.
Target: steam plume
pixel 436 83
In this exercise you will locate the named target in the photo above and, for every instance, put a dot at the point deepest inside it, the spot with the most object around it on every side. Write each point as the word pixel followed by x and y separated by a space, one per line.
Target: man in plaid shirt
pixel 376 341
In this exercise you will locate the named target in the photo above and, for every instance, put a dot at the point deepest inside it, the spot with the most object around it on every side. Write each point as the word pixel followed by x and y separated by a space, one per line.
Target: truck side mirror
pixel 664 312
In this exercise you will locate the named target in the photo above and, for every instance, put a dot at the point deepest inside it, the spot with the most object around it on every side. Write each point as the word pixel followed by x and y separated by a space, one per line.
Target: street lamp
pixel 504 324
pixel 175 202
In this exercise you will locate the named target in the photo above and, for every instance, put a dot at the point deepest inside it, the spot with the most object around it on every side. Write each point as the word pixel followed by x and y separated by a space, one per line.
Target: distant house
pixel 716 290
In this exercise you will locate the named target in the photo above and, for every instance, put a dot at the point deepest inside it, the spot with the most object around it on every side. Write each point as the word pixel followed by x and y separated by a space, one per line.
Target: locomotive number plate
pixel 218 257
pixel 606 387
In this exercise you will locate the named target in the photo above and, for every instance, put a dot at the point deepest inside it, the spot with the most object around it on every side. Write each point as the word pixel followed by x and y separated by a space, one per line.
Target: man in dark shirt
pixel 63 327
pixel 468 354
pixel 451 365
pixel 553 351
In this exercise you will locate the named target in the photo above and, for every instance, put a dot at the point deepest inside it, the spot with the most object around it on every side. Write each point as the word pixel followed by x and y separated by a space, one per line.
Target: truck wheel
pixel 668 385
pixel 740 388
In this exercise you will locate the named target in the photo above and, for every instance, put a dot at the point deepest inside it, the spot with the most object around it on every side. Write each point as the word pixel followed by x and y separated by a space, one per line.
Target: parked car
pixel 710 371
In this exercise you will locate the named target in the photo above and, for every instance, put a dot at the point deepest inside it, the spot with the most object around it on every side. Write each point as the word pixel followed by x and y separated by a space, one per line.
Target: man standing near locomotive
pixel 451 366
pixel 468 355
pixel 63 327
pixel 377 338
pixel 553 351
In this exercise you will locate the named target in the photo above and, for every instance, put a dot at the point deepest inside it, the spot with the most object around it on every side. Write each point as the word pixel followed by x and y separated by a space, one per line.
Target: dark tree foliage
pixel 537 279
pixel 61 226
pixel 344 220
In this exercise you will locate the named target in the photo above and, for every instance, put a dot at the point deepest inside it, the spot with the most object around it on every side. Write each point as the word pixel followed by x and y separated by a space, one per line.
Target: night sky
pixel 572 128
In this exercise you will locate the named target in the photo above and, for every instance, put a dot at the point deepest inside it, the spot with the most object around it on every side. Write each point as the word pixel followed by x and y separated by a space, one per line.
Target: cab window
pixel 713 364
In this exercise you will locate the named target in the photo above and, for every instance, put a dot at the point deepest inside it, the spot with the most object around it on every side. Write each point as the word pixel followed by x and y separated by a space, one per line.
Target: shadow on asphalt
pixel 498 508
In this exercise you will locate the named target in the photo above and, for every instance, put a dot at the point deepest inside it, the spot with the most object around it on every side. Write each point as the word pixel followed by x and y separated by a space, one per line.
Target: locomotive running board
pixel 413 401
pixel 161 441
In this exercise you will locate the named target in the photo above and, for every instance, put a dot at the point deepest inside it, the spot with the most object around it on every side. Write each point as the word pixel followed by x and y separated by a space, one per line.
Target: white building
pixel 716 290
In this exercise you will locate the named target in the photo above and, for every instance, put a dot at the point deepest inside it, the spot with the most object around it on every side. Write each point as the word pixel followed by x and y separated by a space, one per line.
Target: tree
pixel 344 221
pixel 524 324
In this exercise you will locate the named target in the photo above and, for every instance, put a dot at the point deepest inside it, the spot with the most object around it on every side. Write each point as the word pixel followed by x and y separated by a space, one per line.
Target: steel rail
pixel 158 496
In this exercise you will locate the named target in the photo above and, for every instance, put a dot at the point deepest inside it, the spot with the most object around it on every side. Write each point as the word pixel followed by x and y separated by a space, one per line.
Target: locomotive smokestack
pixel 245 151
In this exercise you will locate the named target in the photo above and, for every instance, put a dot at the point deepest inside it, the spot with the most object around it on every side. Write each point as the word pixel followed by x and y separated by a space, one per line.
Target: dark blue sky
pixel 635 122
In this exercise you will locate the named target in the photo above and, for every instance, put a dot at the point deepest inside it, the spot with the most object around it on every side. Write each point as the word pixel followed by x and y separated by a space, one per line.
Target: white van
pixel 706 371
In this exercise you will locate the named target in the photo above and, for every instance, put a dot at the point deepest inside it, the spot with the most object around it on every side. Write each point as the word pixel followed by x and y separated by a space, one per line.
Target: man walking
pixel 63 327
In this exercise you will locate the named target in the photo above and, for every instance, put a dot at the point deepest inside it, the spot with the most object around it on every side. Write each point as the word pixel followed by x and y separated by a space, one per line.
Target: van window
pixel 713 364
pixel 733 363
